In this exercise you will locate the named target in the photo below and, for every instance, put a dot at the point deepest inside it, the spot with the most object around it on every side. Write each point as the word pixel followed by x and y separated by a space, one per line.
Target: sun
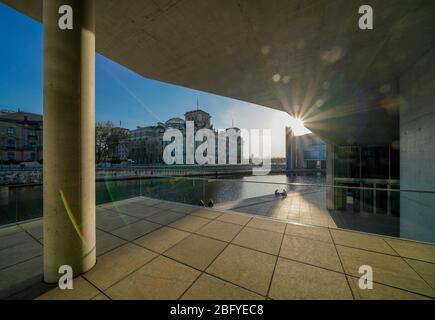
pixel 298 127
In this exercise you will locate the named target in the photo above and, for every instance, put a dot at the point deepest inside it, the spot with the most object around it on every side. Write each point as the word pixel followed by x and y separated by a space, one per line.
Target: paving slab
pixel 162 239
pixel 413 250
pixel 205 213
pixel 135 230
pixel 244 267
pixel 426 270
pixel 387 269
pixel 20 276
pixel 162 278
pixel 234 218
pixel 190 223
pixel 261 240
pixel 140 212
pixel 165 217
pixel 381 292
pixel 111 220
pixel 196 251
pixel 295 280
pixel 82 290
pixel 185 209
pixel 107 242
pixel 101 296
pixel 14 239
pixel 117 264
pixel 19 252
pixel 5 231
pixel 266 224
pixel 211 288
pixel 314 252
pixel 134 209
pixel 167 205
pixel 34 228
pixel 361 241
pixel 315 233
pixel 220 230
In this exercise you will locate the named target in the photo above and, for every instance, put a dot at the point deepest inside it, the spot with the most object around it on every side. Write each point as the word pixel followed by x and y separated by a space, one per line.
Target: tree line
pixel 108 137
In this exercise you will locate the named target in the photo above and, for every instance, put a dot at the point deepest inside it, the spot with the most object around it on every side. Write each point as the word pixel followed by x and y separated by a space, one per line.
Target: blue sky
pixel 121 95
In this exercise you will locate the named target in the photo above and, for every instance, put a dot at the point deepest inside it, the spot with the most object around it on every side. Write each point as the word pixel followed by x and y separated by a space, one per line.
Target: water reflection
pixel 24 203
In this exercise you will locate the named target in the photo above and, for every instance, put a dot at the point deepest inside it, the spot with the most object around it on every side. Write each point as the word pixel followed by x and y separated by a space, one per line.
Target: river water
pixel 24 203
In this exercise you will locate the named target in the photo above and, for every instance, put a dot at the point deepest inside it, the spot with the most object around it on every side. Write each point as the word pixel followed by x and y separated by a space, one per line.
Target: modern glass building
pixel 304 152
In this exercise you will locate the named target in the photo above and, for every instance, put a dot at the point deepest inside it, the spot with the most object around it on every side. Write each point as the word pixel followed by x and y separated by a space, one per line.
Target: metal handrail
pixel 293 184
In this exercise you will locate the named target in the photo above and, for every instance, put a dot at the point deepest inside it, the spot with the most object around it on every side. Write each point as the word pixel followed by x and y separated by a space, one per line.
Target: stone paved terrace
pixel 308 206
pixel 151 249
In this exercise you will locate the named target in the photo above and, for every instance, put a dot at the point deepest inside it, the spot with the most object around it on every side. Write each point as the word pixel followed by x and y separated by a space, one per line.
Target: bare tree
pixel 102 134
pixel 108 139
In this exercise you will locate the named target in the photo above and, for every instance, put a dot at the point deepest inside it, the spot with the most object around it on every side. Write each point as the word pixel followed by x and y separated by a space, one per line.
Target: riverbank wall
pixel 33 176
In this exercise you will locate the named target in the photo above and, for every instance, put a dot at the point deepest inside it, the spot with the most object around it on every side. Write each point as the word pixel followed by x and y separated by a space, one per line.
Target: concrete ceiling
pixel 305 57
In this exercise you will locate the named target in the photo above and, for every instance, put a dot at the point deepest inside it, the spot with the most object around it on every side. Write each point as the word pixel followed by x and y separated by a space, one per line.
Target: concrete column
pixel 330 174
pixel 69 139
pixel 375 205
pixel 289 151
pixel 417 149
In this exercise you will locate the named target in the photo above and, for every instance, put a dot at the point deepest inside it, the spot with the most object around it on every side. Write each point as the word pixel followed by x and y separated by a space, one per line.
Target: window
pixel 347 162
pixel 11 131
pixel 11 155
pixel 11 143
pixel 375 162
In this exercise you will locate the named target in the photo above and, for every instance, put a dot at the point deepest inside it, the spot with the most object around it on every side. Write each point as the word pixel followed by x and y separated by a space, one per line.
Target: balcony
pixel 154 249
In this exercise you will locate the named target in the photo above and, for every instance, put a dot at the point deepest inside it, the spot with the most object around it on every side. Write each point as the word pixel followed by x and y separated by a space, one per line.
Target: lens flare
pixel 298 127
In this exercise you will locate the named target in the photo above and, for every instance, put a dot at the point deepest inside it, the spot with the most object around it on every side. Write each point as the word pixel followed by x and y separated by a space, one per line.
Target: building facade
pixel 146 144
pixel 119 144
pixel 201 118
pixel 20 137
pixel 305 152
